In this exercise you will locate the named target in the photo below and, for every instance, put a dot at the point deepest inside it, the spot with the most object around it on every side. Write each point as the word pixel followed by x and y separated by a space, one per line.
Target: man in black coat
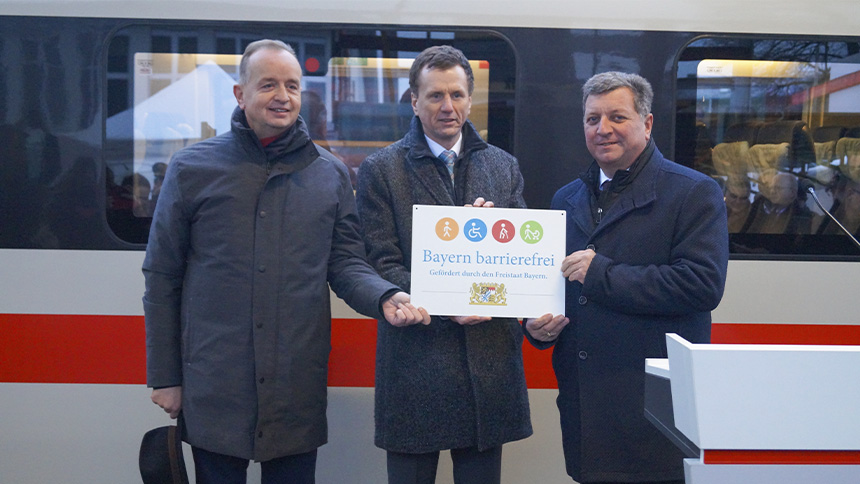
pixel 648 251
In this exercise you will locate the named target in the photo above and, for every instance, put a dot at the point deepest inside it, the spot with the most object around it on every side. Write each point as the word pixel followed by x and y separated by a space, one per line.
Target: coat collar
pixel 631 196
pixel 425 168
pixel 291 152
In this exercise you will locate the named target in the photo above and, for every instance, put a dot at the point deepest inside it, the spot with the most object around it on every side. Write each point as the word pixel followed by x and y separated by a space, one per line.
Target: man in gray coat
pixel 250 229
pixel 648 250
pixel 458 383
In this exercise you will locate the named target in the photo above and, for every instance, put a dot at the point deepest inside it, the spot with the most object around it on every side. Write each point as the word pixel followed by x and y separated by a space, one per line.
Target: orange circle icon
pixel 447 228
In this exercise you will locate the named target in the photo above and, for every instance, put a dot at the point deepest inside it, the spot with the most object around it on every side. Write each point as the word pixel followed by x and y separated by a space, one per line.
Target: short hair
pixel 610 81
pixel 440 57
pixel 260 45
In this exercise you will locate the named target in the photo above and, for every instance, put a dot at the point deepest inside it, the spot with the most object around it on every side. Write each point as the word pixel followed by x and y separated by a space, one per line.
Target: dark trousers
pixel 471 466
pixel 212 468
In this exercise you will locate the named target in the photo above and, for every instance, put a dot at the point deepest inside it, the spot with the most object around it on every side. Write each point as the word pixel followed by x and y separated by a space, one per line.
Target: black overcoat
pixel 662 254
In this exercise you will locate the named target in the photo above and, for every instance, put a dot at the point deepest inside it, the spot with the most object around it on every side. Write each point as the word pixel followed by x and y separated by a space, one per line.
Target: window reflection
pixel 362 104
pixel 169 87
pixel 772 119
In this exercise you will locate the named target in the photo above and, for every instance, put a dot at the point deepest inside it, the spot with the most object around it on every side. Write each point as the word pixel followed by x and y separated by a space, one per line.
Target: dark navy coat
pixel 662 253
pixel 244 244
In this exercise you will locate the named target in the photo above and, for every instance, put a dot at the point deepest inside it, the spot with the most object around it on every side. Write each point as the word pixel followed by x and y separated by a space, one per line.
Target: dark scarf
pixel 288 153
pixel 620 181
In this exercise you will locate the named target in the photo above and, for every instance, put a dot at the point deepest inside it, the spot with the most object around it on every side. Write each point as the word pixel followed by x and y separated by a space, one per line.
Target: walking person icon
pixel 447 229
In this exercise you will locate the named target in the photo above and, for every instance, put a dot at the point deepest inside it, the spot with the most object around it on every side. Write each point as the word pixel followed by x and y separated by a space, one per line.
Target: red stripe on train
pixel 781 457
pixel 42 348
pixel 36 348
pixel 786 334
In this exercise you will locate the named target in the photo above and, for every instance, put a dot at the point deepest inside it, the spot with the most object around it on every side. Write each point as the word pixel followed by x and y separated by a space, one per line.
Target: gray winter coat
pixel 444 385
pixel 244 244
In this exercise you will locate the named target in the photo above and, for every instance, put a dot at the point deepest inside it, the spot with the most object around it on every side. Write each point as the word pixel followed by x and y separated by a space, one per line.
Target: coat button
pixel 263 214
pixel 583 300
pixel 260 434
pixel 259 325
pixel 583 355
pixel 261 268
pixel 590 246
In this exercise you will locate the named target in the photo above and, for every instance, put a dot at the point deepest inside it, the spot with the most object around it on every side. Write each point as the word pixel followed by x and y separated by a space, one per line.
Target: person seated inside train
pixel 737 197
pixel 852 165
pixel 846 209
pixel 779 208
pixel 139 188
pixel 129 208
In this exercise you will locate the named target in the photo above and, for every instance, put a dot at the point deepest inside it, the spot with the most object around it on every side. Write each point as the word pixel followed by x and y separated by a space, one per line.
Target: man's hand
pixel 169 398
pixel 400 312
pixel 575 266
pixel 480 202
pixel 469 320
pixel 547 327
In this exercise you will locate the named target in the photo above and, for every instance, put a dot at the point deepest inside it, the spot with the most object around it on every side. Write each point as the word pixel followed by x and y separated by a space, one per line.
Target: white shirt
pixel 603 178
pixel 437 149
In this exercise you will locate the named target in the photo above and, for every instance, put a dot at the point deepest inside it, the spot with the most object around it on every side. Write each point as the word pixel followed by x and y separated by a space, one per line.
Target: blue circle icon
pixel 475 230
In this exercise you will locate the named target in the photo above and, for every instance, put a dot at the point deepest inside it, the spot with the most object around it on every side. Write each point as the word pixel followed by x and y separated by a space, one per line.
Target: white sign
pixel 487 261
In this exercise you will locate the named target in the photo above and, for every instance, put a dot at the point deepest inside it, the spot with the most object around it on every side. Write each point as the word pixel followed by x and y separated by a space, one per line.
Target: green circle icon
pixel 531 232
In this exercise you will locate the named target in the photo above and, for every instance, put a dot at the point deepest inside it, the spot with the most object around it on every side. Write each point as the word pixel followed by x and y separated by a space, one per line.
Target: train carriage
pixel 96 95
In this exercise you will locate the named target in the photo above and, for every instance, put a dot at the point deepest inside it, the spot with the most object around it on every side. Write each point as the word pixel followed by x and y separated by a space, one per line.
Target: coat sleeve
pixel 556 204
pixel 517 200
pixel 349 274
pixel 164 273
pixel 692 280
pixel 379 227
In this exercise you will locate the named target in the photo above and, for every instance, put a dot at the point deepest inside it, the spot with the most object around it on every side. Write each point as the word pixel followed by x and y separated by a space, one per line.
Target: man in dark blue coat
pixel 648 250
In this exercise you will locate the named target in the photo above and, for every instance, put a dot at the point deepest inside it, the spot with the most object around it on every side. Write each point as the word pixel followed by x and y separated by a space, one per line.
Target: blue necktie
pixel 448 156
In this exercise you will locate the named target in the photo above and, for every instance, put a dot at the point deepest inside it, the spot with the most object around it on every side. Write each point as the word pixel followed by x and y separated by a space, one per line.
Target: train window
pixel 373 105
pixel 355 100
pixel 769 119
